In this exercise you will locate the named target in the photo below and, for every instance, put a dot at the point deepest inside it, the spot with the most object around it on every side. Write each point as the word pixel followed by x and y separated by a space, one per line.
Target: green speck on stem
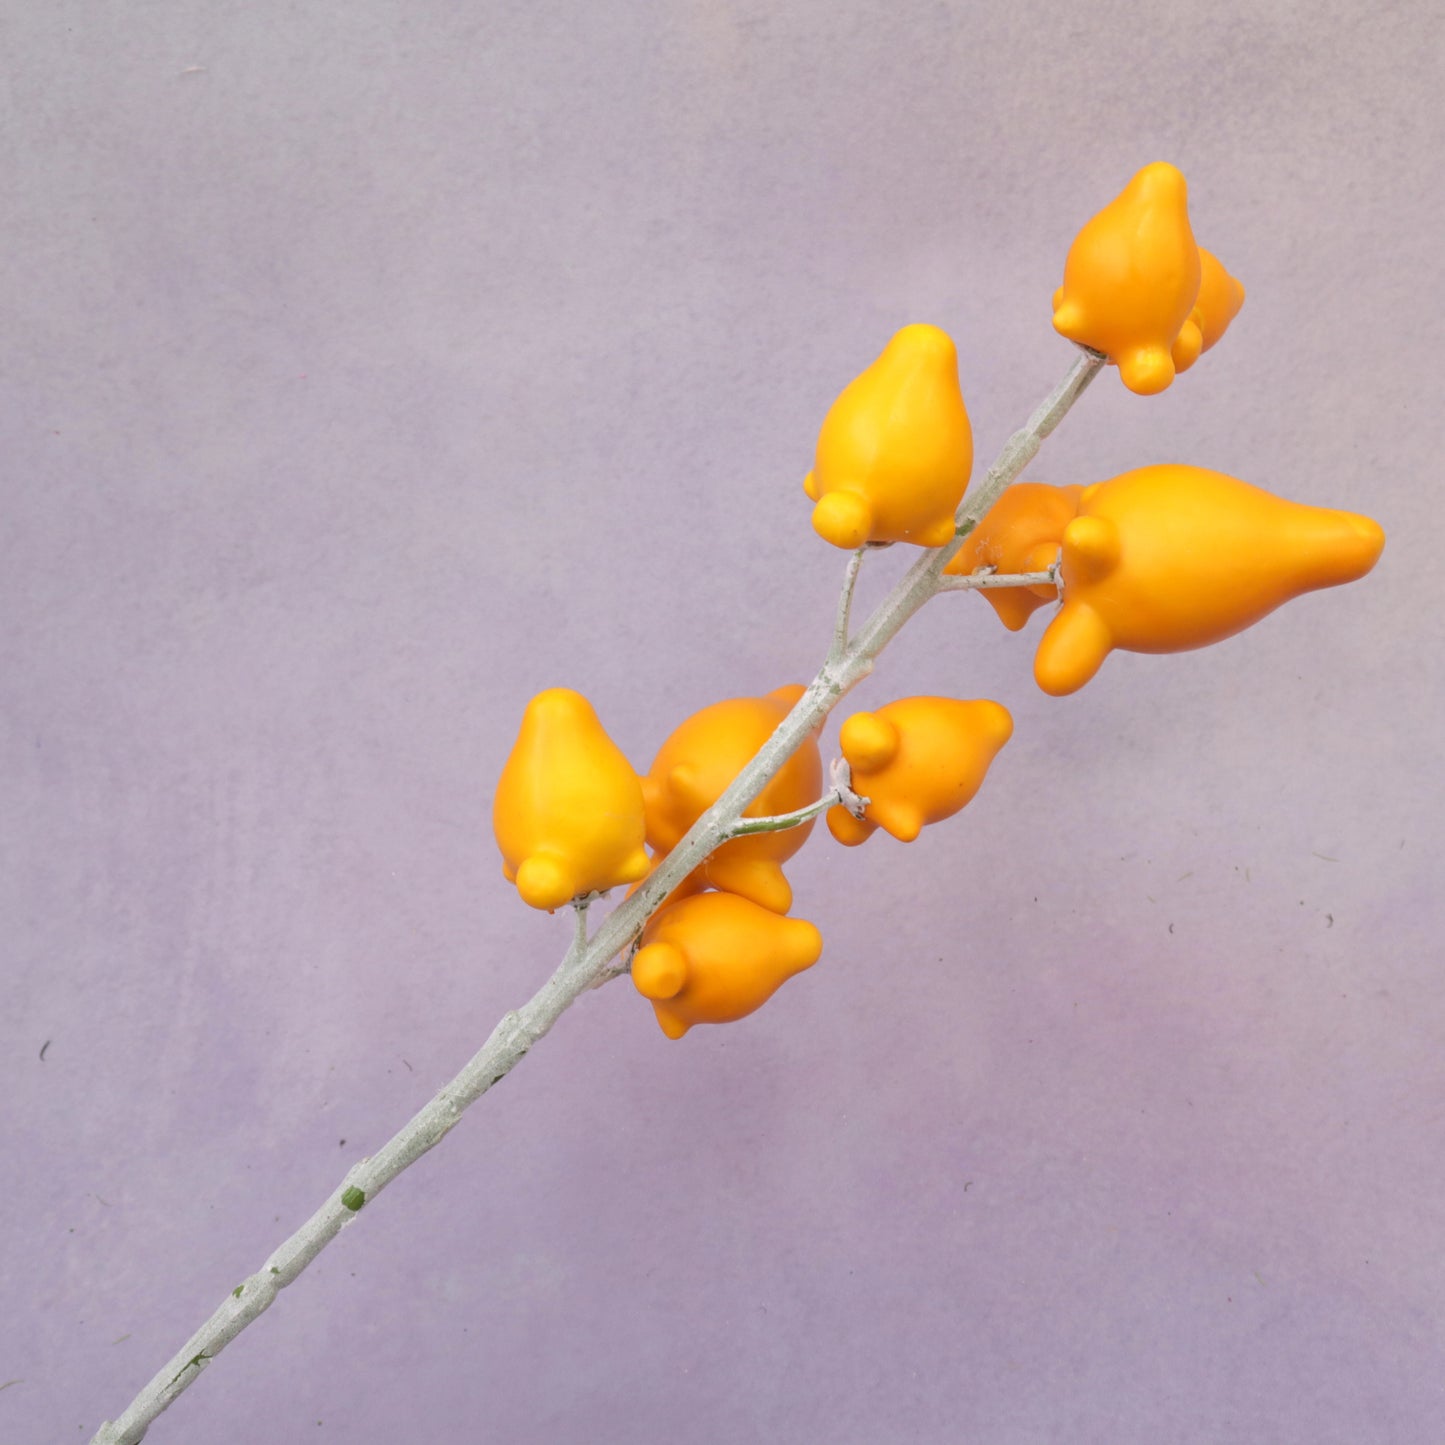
pixel 236 1293
pixel 274 1270
pixel 354 1198
pixel 194 1363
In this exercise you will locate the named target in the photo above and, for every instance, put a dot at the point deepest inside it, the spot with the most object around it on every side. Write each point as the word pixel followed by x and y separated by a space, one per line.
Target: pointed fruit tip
pixel 900 821
pixel 926 341
pixel 559 698
pixel 846 829
pixel 1369 541
pixel 807 942
pixel 673 1026
pixel 1161 178
pixel 998 723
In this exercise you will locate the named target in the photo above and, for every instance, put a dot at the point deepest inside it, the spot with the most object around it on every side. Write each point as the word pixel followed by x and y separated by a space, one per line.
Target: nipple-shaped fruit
pixel 1168 558
pixel 1131 279
pixel 1021 532
pixel 917 761
pixel 694 767
pixel 896 448
pixel 568 810
pixel 1220 297
pixel 715 957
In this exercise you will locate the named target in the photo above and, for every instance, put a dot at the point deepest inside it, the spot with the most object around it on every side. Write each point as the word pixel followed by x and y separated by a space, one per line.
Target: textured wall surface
pixel 368 367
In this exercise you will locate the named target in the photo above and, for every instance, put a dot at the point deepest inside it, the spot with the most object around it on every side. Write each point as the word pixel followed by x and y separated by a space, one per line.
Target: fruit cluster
pixel 1160 559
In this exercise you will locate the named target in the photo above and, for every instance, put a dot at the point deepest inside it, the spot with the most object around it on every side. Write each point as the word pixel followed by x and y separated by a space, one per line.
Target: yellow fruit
pixel 1168 558
pixel 1131 279
pixel 715 957
pixel 568 813
pixel 917 761
pixel 896 448
pixel 1021 532
pixel 694 767
pixel 1220 297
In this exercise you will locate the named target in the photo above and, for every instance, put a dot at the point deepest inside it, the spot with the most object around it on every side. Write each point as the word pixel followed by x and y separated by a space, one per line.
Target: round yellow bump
pixel 1147 371
pixel 544 883
pixel 659 971
pixel 844 519
pixel 868 741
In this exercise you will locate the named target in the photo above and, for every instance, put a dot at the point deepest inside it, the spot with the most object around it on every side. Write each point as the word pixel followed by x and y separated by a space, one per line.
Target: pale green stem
pixel 845 605
pixel 779 822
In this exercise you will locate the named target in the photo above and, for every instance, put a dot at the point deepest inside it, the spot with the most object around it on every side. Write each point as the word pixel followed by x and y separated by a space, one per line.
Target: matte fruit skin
pixel 695 766
pixel 716 957
pixel 1169 558
pixel 917 761
pixel 896 448
pixel 1021 532
pixel 1131 279
pixel 1220 297
pixel 568 812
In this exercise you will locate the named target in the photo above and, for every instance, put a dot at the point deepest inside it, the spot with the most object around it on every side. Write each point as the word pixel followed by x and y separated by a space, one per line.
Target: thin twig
pixel 579 932
pixel 587 963
pixel 779 822
pixel 975 580
pixel 845 606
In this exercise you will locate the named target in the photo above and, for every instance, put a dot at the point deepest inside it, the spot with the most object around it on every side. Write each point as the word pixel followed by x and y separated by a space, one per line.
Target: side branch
pixel 921 581
pixel 975 580
pixel 779 822
pixel 845 606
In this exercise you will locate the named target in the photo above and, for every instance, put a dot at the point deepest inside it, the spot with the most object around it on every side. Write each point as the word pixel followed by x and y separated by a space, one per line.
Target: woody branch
pixel 589 963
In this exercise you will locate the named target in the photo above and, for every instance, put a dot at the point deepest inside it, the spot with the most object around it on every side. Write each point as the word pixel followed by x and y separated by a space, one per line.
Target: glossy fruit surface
pixel 1021 532
pixel 1131 279
pixel 918 761
pixel 1218 303
pixel 1169 558
pixel 568 813
pixel 896 448
pixel 715 957
pixel 694 767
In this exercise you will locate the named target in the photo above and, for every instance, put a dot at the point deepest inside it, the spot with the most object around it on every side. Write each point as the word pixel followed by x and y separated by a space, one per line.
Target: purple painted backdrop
pixel 367 368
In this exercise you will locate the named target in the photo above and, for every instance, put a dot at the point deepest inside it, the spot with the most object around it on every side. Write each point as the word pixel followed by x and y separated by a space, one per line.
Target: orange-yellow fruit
pixel 568 813
pixel 694 767
pixel 917 761
pixel 1168 558
pixel 716 957
pixel 1220 297
pixel 896 448
pixel 1021 532
pixel 1131 279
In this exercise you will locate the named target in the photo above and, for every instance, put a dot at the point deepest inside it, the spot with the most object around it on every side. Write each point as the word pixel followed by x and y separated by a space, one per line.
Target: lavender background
pixel 369 367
